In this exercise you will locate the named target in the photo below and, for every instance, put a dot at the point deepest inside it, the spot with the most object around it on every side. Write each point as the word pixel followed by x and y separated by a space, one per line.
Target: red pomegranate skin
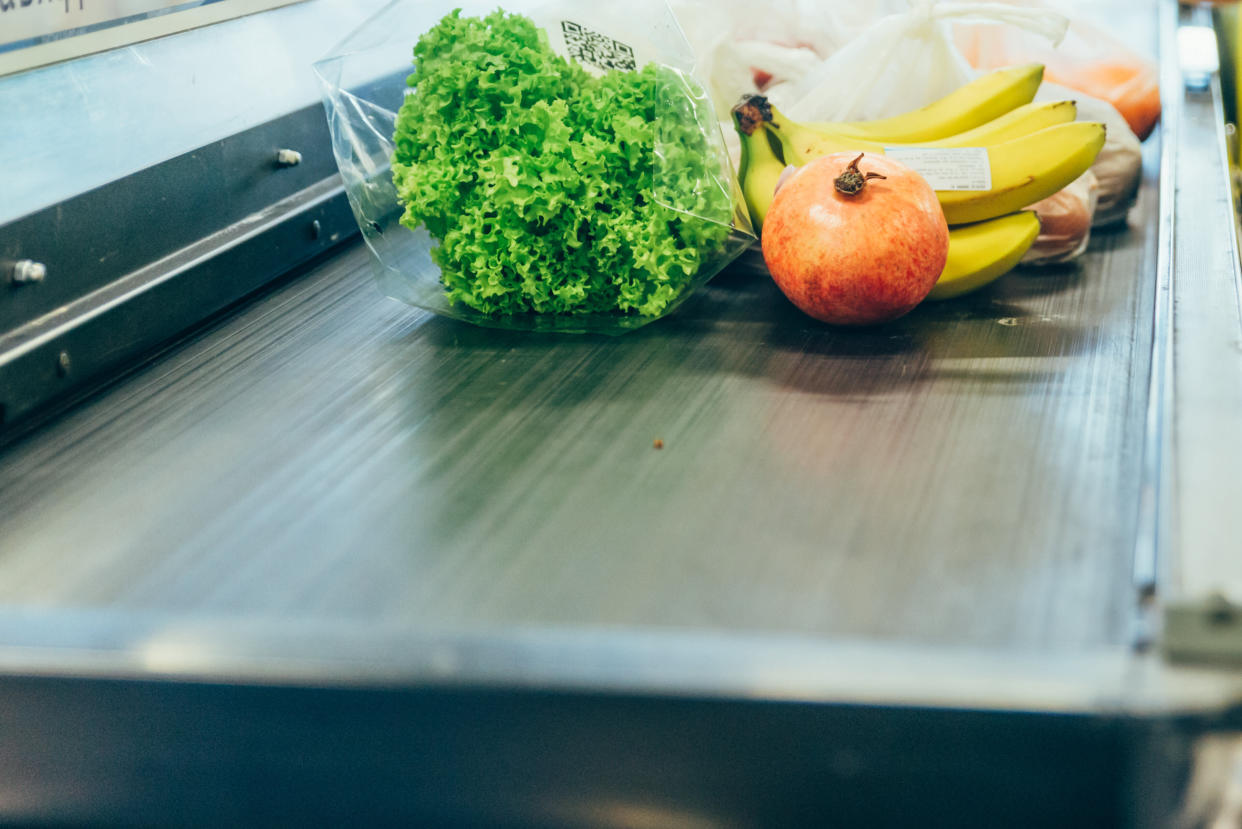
pixel 861 259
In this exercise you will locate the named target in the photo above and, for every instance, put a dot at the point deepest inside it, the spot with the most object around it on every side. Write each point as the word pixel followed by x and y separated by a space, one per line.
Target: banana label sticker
pixel 947 168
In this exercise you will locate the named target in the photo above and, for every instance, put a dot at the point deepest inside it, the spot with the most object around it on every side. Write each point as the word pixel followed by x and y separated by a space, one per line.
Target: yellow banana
pixel 760 166
pixel 1016 123
pixel 1024 170
pixel 1027 170
pixel 983 99
pixel 982 252
pixel 801 143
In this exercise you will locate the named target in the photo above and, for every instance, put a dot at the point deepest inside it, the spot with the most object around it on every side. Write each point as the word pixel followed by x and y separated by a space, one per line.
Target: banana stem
pixel 751 113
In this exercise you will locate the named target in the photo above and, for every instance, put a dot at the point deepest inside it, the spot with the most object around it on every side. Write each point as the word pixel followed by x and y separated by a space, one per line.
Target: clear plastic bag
pixel 1089 60
pixel 514 255
pixel 901 62
pixel 1119 166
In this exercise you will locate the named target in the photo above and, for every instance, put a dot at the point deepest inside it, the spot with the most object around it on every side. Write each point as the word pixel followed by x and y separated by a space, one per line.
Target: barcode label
pixel 947 168
pixel 599 50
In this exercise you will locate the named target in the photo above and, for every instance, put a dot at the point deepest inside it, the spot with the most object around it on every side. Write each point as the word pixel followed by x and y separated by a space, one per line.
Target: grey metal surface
pixel 135 263
pixel 65 354
pixel 1207 338
pixel 966 476
pixel 78 125
pixel 335 558
pixel 91 240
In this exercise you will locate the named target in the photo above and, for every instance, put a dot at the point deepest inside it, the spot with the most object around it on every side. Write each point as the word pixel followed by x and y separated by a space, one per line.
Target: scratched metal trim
pixel 1153 534
pixel 1201 579
pixel 93 644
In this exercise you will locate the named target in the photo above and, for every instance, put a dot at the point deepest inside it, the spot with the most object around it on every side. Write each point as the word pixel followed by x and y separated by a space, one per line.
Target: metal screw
pixel 288 158
pixel 316 229
pixel 28 270
pixel 62 363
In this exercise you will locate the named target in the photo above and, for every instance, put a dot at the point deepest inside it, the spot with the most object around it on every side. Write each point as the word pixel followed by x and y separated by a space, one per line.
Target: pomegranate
pixel 855 239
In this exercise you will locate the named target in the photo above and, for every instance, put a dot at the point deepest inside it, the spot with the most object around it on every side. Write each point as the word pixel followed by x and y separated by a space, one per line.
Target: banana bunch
pixel 1034 150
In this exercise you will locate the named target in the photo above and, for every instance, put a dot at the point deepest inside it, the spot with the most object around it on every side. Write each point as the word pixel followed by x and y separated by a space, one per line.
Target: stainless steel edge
pixel 663 662
pixel 1151 549
pixel 1153 515
pixel 1202 571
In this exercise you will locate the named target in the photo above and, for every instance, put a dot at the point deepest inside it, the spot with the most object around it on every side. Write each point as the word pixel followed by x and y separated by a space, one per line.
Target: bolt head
pixel 28 270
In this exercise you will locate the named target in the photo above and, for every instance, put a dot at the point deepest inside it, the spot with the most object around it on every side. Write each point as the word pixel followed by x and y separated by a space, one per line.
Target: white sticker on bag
pixel 947 168
pixel 587 46
pixel 605 37
pixel 596 51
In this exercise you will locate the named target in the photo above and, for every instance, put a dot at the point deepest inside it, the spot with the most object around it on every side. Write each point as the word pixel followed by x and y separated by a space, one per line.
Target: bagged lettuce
pixel 545 173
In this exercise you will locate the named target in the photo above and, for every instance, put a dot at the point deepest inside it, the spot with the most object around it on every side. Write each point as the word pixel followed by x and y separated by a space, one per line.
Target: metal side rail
pixel 1200 355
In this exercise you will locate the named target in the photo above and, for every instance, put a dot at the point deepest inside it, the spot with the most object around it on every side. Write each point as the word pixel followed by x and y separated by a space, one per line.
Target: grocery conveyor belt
pixel 326 452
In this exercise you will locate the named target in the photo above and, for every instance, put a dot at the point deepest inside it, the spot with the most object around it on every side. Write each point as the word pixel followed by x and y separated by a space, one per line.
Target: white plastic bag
pixel 1065 221
pixel 1119 166
pixel 685 206
pixel 739 51
pixel 901 62
pixel 1091 59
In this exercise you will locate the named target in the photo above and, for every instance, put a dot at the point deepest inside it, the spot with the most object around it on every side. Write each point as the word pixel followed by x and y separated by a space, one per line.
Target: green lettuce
pixel 539 180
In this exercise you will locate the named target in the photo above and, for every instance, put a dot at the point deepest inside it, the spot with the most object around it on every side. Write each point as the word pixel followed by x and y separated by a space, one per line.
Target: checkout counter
pixel 277 549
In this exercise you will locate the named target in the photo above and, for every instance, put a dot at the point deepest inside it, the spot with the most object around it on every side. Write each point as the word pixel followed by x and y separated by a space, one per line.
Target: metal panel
pixel 135 263
pixel 89 241
pixel 477 757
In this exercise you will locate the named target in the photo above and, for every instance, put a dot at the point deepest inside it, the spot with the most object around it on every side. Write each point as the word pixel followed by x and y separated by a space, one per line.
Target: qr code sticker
pixel 591 47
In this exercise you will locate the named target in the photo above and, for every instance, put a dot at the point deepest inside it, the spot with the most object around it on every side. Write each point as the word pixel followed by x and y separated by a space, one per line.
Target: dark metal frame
pixel 139 751
pixel 138 262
